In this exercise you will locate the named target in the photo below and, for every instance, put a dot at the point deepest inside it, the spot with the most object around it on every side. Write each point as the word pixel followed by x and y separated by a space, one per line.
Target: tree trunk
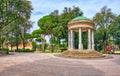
pixel 51 45
pixel 43 45
pixel 1 44
pixel 16 42
pixel 104 45
pixel 23 41
pixel 11 46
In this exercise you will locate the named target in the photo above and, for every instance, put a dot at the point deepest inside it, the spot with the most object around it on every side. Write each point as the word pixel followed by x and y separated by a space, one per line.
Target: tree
pixel 47 26
pixel 102 21
pixel 39 37
pixel 61 21
pixel 23 33
pixel 14 17
pixel 23 24
pixel 115 30
pixel 65 17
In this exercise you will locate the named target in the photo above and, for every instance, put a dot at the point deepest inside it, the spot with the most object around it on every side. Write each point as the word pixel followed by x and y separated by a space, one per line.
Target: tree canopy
pixel 103 21
pixel 55 24
pixel 14 20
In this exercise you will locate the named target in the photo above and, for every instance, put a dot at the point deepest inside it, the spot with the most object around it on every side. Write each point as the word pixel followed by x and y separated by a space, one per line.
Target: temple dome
pixel 80 18
pixel 80 22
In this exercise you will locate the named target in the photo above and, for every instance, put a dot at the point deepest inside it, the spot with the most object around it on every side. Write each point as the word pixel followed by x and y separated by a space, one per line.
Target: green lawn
pixel 55 51
pixel 118 51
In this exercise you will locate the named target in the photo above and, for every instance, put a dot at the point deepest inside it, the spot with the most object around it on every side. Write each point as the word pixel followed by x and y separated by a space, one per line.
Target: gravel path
pixel 31 64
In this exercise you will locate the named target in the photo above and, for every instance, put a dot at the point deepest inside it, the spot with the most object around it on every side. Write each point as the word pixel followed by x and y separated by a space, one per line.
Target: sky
pixel 89 7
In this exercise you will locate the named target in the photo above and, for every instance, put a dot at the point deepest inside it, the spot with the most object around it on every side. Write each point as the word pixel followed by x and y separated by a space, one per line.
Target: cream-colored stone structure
pixel 80 24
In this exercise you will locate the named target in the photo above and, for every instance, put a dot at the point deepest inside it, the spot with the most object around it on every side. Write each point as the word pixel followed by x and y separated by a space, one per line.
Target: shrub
pixel 24 50
pixel 4 50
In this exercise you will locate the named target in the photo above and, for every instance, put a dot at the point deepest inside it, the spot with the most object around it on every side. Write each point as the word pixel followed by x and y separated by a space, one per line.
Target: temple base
pixel 82 54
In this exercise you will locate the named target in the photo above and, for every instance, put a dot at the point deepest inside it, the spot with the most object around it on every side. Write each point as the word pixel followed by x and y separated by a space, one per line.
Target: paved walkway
pixel 30 64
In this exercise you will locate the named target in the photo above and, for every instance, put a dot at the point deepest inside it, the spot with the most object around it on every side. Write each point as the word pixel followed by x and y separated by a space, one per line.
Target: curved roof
pixel 80 18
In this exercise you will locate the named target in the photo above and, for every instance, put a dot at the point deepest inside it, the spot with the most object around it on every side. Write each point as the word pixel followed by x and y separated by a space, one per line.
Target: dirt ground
pixel 31 64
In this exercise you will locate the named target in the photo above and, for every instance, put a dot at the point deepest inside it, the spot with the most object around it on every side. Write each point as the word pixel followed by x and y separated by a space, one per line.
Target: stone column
pixel 72 39
pixel 92 39
pixel 89 39
pixel 80 39
pixel 69 40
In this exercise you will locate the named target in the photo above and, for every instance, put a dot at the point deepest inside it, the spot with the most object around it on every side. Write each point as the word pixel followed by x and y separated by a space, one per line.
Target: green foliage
pixel 39 36
pixel 14 11
pixel 63 46
pixel 115 30
pixel 63 19
pixel 45 24
pixel 34 45
pixel 102 22
pixel 85 40
pixel 14 16
pixel 76 40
